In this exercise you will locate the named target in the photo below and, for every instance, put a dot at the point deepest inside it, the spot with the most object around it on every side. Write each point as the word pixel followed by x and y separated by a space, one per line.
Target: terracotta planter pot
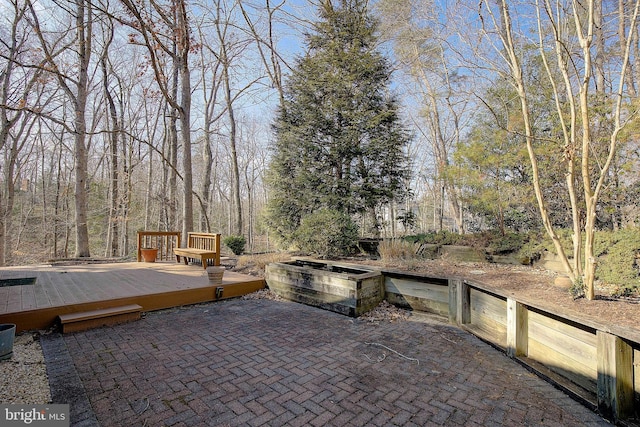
pixel 149 254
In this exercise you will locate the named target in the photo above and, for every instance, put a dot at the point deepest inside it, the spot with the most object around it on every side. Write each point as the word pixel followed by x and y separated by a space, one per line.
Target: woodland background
pixel 118 116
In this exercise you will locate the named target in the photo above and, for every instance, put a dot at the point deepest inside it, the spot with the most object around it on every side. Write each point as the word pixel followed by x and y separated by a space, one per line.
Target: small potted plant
pixel 149 254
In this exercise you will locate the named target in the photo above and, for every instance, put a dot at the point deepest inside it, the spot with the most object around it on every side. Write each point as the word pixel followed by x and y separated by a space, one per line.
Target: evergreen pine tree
pixel 340 144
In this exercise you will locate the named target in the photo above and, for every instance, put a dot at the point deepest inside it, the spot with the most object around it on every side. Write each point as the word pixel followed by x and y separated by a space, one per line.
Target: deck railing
pixel 164 241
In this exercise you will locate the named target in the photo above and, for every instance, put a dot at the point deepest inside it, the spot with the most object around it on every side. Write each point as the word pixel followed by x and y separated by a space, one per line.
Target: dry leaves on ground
pixel 263 294
pixel 385 312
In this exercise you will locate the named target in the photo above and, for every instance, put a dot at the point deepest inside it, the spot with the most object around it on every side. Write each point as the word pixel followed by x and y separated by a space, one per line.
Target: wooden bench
pixel 202 246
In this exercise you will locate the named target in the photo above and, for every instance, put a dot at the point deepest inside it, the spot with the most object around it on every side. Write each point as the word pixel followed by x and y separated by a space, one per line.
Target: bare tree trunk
pixel 173 19
pixel 11 114
pixel 207 158
pixel 173 160
pixel 583 24
pixel 84 24
pixel 516 71
pixel 184 46
pixel 622 37
pixel 210 65
pixel 149 190
pixel 598 60
pixel 114 202
pixel 83 28
pixel 56 204
pixel 235 169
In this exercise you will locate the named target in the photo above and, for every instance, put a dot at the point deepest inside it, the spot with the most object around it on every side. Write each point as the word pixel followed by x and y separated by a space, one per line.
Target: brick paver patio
pixel 269 363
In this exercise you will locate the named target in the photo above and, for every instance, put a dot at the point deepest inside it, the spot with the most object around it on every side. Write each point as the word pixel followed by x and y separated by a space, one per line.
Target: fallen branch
pixel 393 351
pixel 455 342
pixel 147 404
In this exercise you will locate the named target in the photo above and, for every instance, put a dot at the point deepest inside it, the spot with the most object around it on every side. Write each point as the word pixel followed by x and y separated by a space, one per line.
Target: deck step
pixel 95 318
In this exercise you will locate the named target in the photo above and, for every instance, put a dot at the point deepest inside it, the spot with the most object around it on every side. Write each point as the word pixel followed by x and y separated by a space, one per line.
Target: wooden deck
pixel 66 289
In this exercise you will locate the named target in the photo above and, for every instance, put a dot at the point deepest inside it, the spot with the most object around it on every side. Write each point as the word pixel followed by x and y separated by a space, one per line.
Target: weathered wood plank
pixel 636 376
pixel 340 290
pixel 28 297
pixel 582 375
pixel 311 278
pixel 417 304
pixel 14 298
pixel 463 301
pixel 615 369
pixel 489 314
pixel 517 328
pixel 489 306
pixel 490 326
pixel 586 335
pixel 51 289
pixel 4 299
pixel 300 276
pixel 309 297
pixel 427 291
pixel 41 297
pixel 314 297
pixel 572 345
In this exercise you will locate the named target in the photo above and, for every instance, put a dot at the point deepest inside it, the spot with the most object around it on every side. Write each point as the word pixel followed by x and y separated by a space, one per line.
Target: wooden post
pixel 615 376
pixel 459 302
pixel 517 329
pixel 139 246
pixel 452 285
pixel 218 239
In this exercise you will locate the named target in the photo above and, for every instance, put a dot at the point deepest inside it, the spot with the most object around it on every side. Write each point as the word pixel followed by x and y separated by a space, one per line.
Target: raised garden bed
pixel 336 287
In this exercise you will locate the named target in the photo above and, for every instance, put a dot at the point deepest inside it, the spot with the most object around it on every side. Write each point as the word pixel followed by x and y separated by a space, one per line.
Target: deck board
pixel 28 297
pixel 4 298
pixel 63 289
pixel 15 297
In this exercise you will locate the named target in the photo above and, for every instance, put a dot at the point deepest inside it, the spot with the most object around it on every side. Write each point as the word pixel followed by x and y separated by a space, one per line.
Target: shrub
pixel 540 242
pixel 617 253
pixel 327 233
pixel 235 243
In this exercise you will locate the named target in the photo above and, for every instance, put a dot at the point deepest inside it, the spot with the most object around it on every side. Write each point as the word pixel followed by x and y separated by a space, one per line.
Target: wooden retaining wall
pixel 636 374
pixel 598 364
pixel 329 286
pixel 417 293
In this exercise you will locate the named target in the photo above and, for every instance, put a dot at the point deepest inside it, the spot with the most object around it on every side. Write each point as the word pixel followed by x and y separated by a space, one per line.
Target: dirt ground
pixel 537 286
pixel 528 284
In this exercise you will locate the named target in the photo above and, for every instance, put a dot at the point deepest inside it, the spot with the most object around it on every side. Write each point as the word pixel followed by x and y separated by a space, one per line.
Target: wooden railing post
pixel 217 249
pixel 139 246
pixel 615 374
pixel 517 329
